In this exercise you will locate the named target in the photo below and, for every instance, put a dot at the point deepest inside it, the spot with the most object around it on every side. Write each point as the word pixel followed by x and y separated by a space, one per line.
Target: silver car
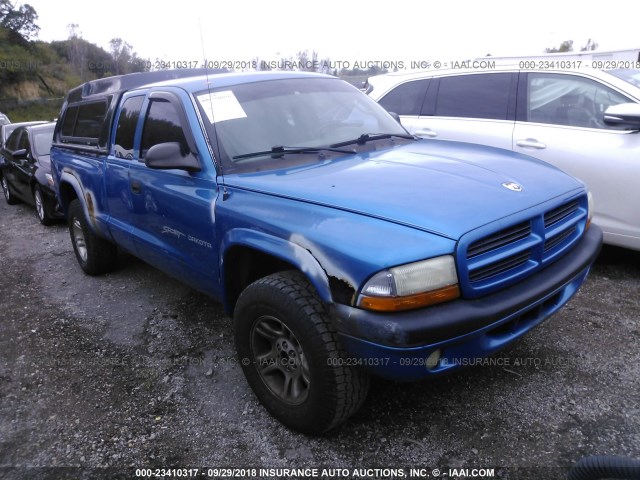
pixel 585 122
pixel 7 129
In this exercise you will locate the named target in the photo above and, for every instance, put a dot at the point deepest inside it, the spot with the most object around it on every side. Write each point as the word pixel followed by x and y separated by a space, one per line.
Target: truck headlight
pixel 413 285
pixel 589 208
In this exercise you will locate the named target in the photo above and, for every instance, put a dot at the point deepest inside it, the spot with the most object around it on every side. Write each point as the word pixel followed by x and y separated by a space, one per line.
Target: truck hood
pixel 446 188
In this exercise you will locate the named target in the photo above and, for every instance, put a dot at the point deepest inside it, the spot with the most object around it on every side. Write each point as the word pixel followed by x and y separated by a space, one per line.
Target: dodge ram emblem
pixel 516 187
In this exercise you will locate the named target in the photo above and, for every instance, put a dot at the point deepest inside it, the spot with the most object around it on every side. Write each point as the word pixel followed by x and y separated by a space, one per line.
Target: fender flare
pixel 285 250
pixel 68 178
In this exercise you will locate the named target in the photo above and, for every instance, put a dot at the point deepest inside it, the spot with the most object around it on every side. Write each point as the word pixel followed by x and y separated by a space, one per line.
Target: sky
pixel 345 31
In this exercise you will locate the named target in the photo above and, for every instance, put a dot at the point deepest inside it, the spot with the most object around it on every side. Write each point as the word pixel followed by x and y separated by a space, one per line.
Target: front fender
pixel 280 248
pixel 69 188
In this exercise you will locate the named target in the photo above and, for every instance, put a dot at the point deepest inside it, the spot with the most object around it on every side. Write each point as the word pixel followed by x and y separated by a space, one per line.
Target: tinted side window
pixel 69 121
pixel 14 138
pixel 569 100
pixel 89 120
pixel 162 125
pixel 84 121
pixel 406 99
pixel 24 141
pixel 474 96
pixel 126 129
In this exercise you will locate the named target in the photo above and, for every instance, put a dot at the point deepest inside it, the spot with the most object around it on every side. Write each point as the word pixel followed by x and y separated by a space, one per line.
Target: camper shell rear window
pixel 83 123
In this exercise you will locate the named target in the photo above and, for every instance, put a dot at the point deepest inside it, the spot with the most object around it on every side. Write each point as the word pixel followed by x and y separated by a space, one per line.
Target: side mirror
pixel 623 114
pixel 21 153
pixel 167 156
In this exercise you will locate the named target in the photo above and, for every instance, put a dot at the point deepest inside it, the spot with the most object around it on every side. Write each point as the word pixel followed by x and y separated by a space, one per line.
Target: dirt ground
pixel 101 376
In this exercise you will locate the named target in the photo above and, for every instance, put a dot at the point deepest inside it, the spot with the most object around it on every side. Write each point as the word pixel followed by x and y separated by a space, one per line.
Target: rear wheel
pixel 8 196
pixel 43 209
pixel 291 356
pixel 94 254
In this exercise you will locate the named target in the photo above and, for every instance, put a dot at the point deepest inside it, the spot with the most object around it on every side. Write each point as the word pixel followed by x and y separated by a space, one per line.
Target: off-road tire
pixel 327 390
pixel 94 254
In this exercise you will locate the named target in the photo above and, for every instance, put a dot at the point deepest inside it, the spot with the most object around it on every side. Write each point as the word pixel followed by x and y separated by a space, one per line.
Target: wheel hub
pixel 280 360
pixel 288 355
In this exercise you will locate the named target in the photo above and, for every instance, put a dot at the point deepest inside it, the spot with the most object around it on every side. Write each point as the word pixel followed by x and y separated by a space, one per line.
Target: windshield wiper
pixel 280 150
pixel 367 137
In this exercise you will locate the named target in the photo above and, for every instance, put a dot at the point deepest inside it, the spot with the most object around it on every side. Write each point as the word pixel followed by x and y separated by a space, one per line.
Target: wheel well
pixel 244 266
pixel 67 194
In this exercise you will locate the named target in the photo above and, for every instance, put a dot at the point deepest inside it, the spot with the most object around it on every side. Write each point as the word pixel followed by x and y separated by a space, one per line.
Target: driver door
pixel 174 209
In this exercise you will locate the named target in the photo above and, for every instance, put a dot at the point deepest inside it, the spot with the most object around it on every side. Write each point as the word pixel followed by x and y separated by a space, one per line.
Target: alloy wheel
pixel 280 360
pixel 37 196
pixel 78 238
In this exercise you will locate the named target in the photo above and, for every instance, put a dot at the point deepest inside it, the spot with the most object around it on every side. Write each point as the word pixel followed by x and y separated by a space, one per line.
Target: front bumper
pixel 396 346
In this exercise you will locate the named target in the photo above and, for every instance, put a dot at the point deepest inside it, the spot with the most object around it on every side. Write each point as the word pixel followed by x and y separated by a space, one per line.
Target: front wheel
pixel 94 254
pixel 43 210
pixel 291 356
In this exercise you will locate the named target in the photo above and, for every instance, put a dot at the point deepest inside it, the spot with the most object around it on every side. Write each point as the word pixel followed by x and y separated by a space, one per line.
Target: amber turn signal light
pixel 409 302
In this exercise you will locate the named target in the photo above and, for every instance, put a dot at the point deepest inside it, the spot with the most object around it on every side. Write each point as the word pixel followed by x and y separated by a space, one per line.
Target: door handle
pixel 426 132
pixel 136 187
pixel 531 143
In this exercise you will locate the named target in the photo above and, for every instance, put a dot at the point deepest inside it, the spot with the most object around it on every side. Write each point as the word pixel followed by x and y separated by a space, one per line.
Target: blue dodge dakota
pixel 340 245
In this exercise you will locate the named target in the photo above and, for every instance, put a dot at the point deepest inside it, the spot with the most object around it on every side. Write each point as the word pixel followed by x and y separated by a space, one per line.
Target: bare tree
pixel 77 50
pixel 591 45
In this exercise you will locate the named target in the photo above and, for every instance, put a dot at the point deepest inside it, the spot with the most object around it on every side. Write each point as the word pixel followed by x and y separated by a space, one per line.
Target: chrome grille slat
pixel 500 258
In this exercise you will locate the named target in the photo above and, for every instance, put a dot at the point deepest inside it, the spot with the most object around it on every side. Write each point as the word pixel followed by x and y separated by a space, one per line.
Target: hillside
pixel 35 75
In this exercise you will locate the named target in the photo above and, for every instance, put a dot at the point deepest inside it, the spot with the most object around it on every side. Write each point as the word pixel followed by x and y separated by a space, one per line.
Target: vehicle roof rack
pixel 119 83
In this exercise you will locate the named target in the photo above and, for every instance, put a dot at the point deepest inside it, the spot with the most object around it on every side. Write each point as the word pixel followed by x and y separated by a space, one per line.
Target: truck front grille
pixel 489 261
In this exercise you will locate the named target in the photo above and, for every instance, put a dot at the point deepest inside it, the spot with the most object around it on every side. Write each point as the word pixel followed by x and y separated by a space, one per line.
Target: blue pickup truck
pixel 340 245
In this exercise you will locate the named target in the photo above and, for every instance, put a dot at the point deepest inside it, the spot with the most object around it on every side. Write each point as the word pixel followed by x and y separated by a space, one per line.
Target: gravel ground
pixel 100 376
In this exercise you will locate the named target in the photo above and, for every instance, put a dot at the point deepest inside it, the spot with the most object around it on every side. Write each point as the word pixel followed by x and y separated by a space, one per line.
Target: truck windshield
pixel 251 121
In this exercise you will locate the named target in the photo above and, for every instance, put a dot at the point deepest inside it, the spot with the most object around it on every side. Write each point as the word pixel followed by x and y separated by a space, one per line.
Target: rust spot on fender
pixel 90 206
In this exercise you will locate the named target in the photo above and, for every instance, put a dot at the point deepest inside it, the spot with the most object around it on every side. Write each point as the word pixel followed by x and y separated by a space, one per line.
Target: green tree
pixel 124 59
pixel 566 46
pixel 21 21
